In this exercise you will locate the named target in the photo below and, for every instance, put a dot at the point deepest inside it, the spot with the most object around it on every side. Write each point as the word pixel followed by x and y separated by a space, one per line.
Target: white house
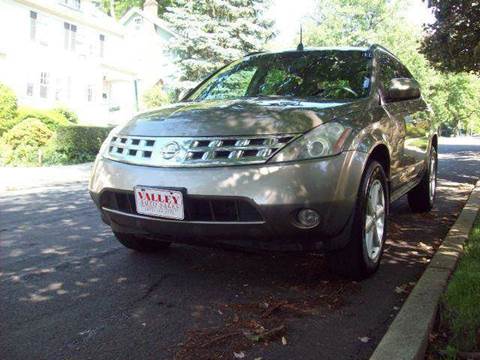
pixel 149 35
pixel 68 52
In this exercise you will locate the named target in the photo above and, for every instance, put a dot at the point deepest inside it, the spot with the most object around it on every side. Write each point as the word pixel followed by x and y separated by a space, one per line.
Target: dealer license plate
pixel 159 202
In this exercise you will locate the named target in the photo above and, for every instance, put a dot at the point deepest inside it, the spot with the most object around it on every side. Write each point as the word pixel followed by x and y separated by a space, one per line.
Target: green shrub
pixel 50 118
pixel 21 144
pixel 22 155
pixel 76 144
pixel 8 108
pixel 156 97
pixel 51 154
pixel 31 132
pixel 67 114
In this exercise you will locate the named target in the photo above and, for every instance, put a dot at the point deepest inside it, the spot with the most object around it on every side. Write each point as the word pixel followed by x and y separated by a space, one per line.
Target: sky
pixel 288 15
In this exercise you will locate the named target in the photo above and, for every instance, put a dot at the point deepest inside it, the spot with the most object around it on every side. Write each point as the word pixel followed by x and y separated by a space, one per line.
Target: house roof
pixel 153 19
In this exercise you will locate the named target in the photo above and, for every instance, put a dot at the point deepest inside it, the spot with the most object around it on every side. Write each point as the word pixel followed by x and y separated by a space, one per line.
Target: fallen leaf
pixel 264 305
pixel 424 246
pixel 364 339
pixel 239 355
pixel 264 335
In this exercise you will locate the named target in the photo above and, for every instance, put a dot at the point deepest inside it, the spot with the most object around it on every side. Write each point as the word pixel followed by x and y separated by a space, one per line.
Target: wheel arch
pixel 434 142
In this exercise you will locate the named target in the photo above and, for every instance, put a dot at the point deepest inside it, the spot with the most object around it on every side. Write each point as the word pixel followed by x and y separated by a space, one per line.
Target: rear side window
pixel 390 68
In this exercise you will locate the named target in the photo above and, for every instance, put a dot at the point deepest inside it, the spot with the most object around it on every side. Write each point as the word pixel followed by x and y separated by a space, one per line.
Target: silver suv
pixel 295 150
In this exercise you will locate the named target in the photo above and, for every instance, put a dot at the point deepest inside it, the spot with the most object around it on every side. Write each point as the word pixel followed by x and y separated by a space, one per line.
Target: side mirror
pixel 402 89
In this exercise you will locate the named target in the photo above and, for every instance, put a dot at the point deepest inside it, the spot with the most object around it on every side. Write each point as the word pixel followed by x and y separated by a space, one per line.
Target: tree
pixel 212 33
pixel 456 103
pixel 362 22
pixel 122 6
pixel 156 96
pixel 453 41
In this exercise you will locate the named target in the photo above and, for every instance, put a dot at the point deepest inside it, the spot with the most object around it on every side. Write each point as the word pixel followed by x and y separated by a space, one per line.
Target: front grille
pixel 196 208
pixel 179 151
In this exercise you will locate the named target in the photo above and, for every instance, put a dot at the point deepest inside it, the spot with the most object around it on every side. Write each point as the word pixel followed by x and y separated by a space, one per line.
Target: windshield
pixel 329 74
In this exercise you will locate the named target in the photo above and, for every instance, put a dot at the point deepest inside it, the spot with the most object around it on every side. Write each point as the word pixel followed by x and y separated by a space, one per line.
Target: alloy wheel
pixel 374 220
pixel 433 177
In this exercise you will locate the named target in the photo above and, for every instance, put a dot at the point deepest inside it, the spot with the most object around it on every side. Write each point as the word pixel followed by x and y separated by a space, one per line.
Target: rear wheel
pixel 141 244
pixel 360 258
pixel 422 197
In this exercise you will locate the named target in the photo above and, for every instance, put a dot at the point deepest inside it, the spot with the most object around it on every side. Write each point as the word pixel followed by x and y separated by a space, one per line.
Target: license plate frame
pixel 160 207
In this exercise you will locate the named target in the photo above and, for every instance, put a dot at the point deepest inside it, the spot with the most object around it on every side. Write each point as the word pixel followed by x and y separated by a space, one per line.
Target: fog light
pixel 308 217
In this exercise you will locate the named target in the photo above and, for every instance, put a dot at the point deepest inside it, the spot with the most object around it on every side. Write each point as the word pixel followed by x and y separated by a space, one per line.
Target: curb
pixel 407 336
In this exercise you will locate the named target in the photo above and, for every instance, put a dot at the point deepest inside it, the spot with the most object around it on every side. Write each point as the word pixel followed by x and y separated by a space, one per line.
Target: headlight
pixel 325 140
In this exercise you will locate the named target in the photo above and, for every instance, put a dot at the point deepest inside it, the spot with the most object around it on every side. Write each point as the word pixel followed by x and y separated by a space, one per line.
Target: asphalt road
pixel 70 291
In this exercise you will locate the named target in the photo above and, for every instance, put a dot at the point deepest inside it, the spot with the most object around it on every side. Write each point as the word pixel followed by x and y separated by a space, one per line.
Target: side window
pixel 390 68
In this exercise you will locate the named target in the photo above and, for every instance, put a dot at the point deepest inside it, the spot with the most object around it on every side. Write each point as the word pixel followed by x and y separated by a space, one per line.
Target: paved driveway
pixel 69 291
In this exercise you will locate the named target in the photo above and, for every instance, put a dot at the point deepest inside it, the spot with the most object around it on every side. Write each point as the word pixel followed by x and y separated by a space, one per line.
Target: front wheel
pixel 422 197
pixel 141 244
pixel 360 258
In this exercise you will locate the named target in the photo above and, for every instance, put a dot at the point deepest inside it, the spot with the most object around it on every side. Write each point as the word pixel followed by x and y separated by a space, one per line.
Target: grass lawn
pixel 460 307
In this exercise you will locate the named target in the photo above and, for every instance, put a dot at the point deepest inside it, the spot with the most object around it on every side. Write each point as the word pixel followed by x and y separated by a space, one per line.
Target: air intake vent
pixel 196 208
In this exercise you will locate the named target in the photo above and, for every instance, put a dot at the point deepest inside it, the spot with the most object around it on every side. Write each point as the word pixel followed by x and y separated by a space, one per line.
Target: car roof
pixel 325 48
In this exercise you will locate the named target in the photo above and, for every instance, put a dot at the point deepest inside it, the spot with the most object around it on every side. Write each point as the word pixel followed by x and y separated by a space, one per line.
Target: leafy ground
pixel 458 330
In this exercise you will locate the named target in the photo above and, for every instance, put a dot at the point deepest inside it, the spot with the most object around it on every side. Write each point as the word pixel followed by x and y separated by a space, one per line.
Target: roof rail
pixel 372 47
pixel 254 53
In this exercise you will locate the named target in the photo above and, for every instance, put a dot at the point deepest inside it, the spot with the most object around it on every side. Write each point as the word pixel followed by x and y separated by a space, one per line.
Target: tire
pixel 422 197
pixel 141 244
pixel 360 258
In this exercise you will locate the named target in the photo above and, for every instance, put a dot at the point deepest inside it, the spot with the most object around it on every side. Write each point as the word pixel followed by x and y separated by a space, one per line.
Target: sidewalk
pixel 22 178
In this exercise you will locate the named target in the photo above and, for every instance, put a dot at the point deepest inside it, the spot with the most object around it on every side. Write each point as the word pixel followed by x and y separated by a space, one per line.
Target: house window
pixel 138 22
pixel 29 89
pixel 90 93
pixel 102 45
pixel 59 91
pixel 70 35
pixel 69 88
pixel 75 4
pixel 33 25
pixel 44 84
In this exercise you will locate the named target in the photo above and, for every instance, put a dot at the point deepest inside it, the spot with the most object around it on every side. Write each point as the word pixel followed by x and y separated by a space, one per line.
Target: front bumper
pixel 278 191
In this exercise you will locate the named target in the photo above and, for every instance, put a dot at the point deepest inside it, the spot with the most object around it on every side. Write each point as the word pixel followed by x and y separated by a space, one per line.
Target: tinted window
pixel 390 68
pixel 319 74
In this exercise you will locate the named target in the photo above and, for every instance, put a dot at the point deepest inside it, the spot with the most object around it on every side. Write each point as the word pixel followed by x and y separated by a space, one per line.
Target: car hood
pixel 237 117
